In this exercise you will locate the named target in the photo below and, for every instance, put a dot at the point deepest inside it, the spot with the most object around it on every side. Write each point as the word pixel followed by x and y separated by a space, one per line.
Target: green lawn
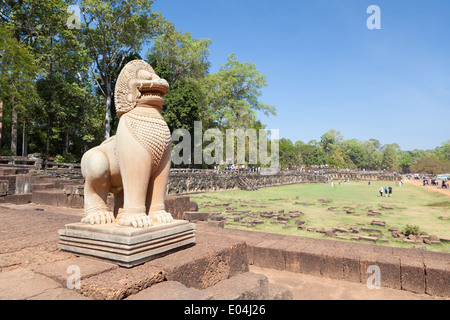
pixel 413 205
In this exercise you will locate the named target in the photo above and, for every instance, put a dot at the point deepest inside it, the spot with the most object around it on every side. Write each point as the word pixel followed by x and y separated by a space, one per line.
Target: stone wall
pixel 341 174
pixel 209 181
pixel 193 181
pixel 418 271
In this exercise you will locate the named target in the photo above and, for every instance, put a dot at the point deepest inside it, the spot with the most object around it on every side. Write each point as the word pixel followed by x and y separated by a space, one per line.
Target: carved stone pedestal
pixel 125 246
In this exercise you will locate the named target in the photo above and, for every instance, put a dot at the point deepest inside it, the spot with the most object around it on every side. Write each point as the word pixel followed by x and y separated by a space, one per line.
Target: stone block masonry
pixel 127 247
pixel 208 181
pixel 417 271
pixel 34 257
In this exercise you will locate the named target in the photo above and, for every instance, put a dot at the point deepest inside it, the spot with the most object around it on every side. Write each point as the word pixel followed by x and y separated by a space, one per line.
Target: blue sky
pixel 326 69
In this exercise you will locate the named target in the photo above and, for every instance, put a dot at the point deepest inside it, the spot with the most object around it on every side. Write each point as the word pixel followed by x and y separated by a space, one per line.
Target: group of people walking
pixel 387 191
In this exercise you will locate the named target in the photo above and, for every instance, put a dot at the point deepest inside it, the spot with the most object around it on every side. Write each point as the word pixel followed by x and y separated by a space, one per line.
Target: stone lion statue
pixel 136 161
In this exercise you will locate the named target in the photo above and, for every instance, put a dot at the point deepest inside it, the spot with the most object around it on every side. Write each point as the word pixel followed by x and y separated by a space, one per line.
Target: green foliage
pixel 312 155
pixel 356 153
pixel 111 31
pixel 443 152
pixel 289 156
pixel 340 160
pixel 176 55
pixel 411 229
pixel 182 61
pixel 329 140
pixel 431 165
pixel 183 105
pixel 234 93
pixel 369 155
pixel 389 159
pixel 66 158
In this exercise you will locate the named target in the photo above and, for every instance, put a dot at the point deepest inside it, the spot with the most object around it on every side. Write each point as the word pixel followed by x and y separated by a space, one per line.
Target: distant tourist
pixel 381 191
pixel 390 191
pixel 386 192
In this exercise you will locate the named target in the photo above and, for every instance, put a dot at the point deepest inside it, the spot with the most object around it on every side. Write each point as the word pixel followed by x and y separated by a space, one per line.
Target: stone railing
pixel 32 162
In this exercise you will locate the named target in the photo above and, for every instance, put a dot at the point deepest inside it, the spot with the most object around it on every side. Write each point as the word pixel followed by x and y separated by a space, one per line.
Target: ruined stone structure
pixel 186 181
pixel 362 175
pixel 24 183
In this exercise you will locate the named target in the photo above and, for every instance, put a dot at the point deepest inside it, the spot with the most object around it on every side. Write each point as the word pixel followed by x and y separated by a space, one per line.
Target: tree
pixel 183 62
pixel 356 153
pixel 405 162
pixel 234 93
pixel 373 155
pixel 443 152
pixel 340 160
pixel 330 139
pixel 299 143
pixel 112 30
pixel 176 55
pixel 17 73
pixel 390 157
pixel 289 156
pixel 183 105
pixel 431 165
pixel 20 21
pixel 63 59
pixel 312 155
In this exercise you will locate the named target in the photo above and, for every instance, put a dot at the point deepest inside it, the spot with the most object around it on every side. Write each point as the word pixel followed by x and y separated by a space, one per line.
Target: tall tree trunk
pixel 24 140
pixel 85 147
pixel 14 132
pixel 47 143
pixel 108 109
pixel 66 144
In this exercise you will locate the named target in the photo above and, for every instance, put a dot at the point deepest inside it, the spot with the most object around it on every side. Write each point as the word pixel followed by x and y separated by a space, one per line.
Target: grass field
pixel 413 205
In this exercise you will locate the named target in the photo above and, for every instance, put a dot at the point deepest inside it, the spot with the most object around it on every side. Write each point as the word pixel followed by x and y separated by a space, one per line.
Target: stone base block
pixel 125 246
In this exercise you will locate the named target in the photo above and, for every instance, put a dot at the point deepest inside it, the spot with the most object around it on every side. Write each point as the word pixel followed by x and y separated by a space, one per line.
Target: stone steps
pixel 42 186
pixel 19 186
pixel 57 197
pixel 13 171
pixel 248 286
pixel 171 290
pixel 244 286
pixel 20 198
